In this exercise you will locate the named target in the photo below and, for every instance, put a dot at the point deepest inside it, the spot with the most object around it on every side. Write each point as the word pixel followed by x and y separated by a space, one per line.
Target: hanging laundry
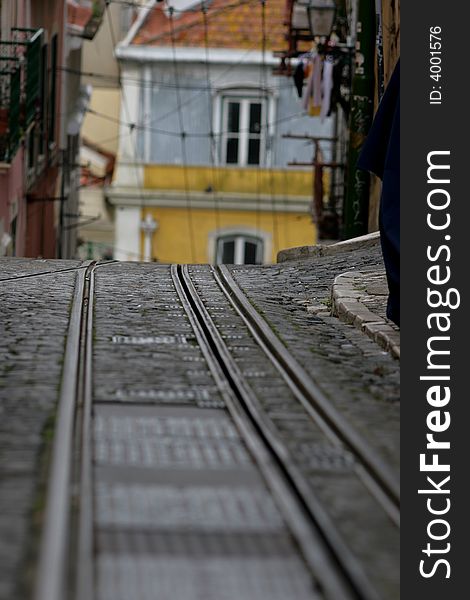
pixel 317 75
pixel 327 86
pixel 299 78
pixel 336 94
pixel 320 78
pixel 308 91
pixel 313 111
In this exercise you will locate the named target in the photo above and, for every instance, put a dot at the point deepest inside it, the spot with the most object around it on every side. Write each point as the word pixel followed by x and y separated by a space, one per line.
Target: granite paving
pixel 34 315
pixel 178 495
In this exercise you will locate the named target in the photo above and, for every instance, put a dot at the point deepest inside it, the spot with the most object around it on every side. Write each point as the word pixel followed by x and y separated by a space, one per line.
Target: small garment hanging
pixel 317 76
pixel 299 78
pixel 336 95
pixel 308 90
pixel 327 86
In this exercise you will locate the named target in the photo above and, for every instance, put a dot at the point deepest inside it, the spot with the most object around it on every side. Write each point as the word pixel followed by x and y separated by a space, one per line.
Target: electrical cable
pixel 263 145
pixel 201 89
pixel 225 72
pixel 189 134
pixel 135 4
pixel 268 137
pixel 184 28
pixel 195 96
pixel 183 143
pixel 212 142
pixel 143 84
pixel 127 111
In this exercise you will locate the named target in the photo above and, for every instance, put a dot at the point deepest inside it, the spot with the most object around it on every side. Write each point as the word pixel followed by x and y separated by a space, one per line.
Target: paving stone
pixel 182 510
pixel 169 462
pixel 305 335
pixel 34 321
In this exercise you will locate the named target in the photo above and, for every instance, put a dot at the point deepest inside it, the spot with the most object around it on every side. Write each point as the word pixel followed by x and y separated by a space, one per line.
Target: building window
pixel 243 140
pixel 239 250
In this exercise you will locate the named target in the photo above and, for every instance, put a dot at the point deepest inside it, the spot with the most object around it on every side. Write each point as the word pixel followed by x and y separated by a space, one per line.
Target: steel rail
pixel 387 487
pixel 52 582
pixel 84 580
pixel 343 567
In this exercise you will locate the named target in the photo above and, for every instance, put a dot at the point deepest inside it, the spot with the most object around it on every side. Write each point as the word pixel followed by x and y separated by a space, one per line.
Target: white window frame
pixel 244 135
pixel 250 91
pixel 239 251
pixel 242 232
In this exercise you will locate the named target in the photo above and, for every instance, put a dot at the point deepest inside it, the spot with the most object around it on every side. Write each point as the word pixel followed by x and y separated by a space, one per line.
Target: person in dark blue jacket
pixel 381 155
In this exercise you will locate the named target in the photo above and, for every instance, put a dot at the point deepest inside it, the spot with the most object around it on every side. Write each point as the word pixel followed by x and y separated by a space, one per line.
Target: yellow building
pixel 229 215
pixel 202 172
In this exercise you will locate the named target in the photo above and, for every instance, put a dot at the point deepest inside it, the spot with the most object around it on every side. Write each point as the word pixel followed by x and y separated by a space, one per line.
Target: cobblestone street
pixel 35 314
pixel 216 451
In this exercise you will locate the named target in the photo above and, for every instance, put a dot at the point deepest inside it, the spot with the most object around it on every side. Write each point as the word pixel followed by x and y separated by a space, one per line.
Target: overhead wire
pixel 161 83
pixel 184 28
pixel 187 27
pixel 199 93
pixel 192 98
pixel 268 137
pixel 195 96
pixel 212 139
pixel 183 142
pixel 136 4
pixel 291 117
pixel 207 89
pixel 131 126
pixel 263 144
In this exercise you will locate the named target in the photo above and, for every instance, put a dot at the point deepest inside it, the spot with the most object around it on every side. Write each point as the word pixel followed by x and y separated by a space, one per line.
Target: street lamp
pixel 321 17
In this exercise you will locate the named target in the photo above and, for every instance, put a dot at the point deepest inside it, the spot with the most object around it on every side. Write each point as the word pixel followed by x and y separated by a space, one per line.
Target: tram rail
pixel 370 467
pixel 75 399
pixel 66 557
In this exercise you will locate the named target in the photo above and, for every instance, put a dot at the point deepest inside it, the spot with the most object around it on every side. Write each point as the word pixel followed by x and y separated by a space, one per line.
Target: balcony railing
pixel 20 88
pixel 10 94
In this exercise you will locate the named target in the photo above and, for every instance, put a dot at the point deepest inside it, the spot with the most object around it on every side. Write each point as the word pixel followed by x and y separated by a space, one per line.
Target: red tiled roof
pixel 231 24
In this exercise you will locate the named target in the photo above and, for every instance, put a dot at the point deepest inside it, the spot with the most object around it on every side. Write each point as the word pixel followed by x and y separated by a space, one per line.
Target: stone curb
pixel 347 306
pixel 300 252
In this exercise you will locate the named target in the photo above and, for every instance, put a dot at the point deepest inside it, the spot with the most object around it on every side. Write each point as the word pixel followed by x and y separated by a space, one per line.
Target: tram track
pixel 370 468
pixel 71 427
pixel 380 478
pixel 67 559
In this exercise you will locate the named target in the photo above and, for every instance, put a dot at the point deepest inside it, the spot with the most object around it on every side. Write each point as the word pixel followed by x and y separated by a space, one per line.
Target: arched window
pixel 239 249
